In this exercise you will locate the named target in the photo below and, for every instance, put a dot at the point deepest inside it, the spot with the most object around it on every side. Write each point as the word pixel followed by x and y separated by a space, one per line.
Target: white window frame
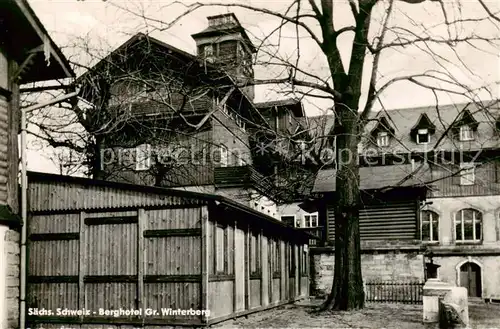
pixel 461 221
pixel 467 174
pixel 207 53
pixel 224 156
pixel 466 133
pixel 307 219
pixel 432 220
pixel 423 132
pixel 241 162
pixel 383 139
pixel 291 215
pixel 143 157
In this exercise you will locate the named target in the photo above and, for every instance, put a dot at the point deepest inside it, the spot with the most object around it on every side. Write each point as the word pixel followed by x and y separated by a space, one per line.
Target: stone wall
pixel 387 266
pixel 9 278
pixel 490 269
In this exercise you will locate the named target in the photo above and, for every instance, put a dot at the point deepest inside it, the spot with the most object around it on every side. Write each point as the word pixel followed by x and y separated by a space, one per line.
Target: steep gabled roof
pixel 130 46
pixel 188 65
pixel 383 125
pixel 466 118
pixel 21 32
pixel 235 27
pixel 423 123
pixel 442 117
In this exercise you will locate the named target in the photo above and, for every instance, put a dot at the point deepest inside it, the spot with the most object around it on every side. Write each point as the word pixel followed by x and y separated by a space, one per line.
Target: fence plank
pixel 82 263
pixel 141 263
pixel 394 292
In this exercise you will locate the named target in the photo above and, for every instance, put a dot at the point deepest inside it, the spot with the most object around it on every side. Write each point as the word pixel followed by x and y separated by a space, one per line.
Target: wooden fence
pixel 394 292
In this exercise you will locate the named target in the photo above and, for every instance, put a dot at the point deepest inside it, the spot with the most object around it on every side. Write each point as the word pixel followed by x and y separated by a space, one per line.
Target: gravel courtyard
pixel 388 316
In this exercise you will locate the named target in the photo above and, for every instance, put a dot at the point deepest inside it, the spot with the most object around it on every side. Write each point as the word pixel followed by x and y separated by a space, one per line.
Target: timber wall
pixel 100 248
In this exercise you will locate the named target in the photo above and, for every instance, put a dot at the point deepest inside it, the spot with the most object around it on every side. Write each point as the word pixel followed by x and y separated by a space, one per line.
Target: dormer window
pixel 466 133
pixel 423 130
pixel 465 127
pixel 382 133
pixel 383 139
pixel 423 136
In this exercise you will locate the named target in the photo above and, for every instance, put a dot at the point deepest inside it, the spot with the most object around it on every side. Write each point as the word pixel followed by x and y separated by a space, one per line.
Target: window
pixel 311 220
pixel 291 260
pixel 241 161
pixel 301 144
pixel 277 258
pixel 383 139
pixel 220 250
pixel 143 157
pixel 466 133
pixel 303 261
pixel 223 156
pixel 208 50
pixel 468 225
pixel 423 136
pixel 467 174
pixel 254 254
pixel 429 226
pixel 288 219
pixel 298 222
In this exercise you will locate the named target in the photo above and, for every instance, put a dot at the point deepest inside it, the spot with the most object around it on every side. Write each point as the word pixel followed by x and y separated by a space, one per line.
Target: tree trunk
pixel 97 169
pixel 347 289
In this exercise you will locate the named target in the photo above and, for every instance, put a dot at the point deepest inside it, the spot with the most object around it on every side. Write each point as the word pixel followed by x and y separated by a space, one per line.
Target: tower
pixel 225 42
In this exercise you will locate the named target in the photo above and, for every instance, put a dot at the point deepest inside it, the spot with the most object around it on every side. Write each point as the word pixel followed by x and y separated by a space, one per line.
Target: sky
pixel 107 24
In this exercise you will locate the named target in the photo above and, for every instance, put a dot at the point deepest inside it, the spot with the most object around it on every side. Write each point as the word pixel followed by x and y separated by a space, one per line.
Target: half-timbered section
pixel 125 251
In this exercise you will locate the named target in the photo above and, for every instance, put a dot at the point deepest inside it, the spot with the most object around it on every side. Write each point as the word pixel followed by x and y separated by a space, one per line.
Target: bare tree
pixel 346 83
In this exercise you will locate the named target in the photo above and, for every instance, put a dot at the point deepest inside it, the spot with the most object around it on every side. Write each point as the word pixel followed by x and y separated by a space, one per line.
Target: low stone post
pixel 454 309
pixel 433 290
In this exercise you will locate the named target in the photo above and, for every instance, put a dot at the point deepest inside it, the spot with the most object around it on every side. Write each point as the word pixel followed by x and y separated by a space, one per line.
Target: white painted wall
pixel 447 208
pixel 293 209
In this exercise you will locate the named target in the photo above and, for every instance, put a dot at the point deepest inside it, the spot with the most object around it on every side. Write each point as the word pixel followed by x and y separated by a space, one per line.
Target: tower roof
pixel 222 25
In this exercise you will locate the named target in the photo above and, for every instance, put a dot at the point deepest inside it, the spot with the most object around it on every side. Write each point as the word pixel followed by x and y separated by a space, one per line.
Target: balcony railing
pixel 244 176
pixel 316 231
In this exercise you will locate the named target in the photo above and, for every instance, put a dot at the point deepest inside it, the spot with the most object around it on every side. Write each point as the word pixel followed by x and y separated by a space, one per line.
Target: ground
pixel 388 316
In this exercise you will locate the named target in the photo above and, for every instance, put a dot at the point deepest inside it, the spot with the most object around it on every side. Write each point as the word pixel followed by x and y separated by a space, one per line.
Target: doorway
pixel 470 278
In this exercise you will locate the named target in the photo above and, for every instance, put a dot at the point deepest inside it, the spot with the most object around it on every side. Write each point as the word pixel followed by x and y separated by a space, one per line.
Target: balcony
pixel 316 231
pixel 244 176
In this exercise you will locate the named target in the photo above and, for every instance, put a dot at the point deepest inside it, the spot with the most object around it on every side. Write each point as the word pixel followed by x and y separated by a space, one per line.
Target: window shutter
pixel 216 154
